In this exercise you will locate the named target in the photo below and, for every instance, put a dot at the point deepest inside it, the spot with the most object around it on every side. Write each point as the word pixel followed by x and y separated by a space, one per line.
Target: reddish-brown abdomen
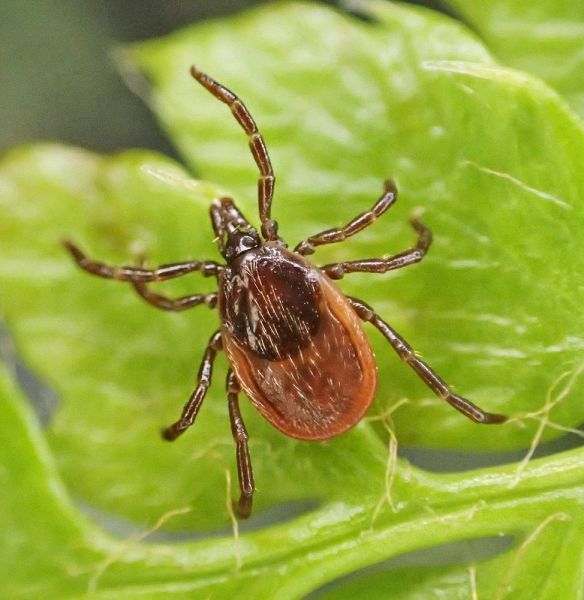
pixel 296 345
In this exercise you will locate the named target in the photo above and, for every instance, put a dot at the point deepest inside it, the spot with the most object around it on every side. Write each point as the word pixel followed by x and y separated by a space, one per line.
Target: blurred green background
pixel 59 80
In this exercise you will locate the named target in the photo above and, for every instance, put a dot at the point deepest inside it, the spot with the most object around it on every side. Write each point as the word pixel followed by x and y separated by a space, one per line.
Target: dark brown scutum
pixel 270 303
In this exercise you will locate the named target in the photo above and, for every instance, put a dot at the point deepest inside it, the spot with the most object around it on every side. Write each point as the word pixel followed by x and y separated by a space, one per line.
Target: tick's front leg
pixel 424 371
pixel 138 274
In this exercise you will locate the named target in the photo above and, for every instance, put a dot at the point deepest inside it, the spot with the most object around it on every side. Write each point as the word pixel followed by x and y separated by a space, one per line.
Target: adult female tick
pixel 294 342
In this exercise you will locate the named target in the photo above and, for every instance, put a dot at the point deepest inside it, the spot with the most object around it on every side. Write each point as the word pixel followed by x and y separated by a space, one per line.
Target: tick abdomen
pixel 296 345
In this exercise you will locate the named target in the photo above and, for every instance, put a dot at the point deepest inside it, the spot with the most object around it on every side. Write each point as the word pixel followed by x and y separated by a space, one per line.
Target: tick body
pixel 294 342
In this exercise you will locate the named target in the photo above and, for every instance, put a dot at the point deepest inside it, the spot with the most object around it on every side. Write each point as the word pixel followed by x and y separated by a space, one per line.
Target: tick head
pixel 239 239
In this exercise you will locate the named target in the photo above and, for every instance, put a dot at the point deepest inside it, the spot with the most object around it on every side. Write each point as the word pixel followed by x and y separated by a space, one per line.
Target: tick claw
pixel 389 186
pixel 494 418
pixel 242 509
pixel 169 433
pixel 73 250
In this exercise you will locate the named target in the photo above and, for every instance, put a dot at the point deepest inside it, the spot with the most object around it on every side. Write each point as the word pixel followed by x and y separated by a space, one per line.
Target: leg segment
pixel 428 376
pixel 207 268
pixel 244 469
pixel 382 265
pixel 171 304
pixel 256 144
pixel 331 236
pixel 193 404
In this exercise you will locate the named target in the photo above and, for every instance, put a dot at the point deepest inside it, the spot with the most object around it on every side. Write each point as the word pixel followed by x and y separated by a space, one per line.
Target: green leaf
pixel 121 369
pixel 49 550
pixel 544 38
pixel 42 535
pixel 492 155
pixel 494 306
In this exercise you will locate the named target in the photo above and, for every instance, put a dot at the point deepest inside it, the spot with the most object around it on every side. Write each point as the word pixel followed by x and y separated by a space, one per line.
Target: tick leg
pixel 382 265
pixel 257 146
pixel 174 304
pixel 338 234
pixel 424 371
pixel 193 404
pixel 207 268
pixel 244 469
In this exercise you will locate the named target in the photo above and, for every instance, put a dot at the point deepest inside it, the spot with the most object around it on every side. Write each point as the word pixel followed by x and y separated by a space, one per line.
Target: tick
pixel 295 343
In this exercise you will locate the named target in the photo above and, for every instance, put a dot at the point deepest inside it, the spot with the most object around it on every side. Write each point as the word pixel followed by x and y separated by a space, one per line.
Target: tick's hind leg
pixel 338 234
pixel 424 371
pixel 139 274
pixel 193 404
pixel 244 469
pixel 382 265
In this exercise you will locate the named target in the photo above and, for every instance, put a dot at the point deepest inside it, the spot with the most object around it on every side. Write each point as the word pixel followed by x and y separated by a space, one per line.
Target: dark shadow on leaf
pixel 465 552
pixel 123 528
pixel 448 461
pixel 43 399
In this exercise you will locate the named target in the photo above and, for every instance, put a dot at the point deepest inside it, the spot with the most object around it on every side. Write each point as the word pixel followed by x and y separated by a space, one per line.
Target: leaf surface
pixel 494 308
pixel 545 38
pixel 491 155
